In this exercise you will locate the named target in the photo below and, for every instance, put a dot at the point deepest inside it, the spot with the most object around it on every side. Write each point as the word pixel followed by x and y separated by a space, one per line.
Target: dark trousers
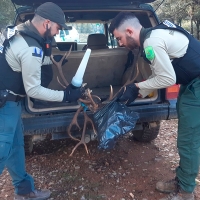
pixel 12 147
pixel 188 141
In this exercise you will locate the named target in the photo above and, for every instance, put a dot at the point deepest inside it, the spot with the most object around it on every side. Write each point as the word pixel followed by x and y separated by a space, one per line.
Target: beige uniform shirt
pixel 20 58
pixel 167 45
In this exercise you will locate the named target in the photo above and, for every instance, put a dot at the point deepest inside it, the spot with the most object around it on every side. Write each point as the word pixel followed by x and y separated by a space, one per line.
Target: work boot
pixel 167 186
pixel 36 195
pixel 181 195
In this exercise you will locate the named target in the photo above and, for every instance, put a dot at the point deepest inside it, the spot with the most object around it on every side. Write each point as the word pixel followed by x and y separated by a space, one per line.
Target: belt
pixel 12 97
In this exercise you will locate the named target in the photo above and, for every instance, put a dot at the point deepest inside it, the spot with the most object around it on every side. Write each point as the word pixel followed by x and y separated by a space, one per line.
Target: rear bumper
pixel 147 113
pixel 156 112
pixel 172 109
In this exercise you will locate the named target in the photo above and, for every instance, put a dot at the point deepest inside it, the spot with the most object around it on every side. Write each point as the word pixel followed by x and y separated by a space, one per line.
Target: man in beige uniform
pixel 23 50
pixel 174 57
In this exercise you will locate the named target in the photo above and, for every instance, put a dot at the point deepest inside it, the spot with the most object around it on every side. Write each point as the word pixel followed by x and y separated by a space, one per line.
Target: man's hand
pixel 128 93
pixel 73 94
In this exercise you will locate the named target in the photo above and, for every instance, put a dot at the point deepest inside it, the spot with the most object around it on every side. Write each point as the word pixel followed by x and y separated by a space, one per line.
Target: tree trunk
pixel 191 19
pixel 197 25
pixel 191 26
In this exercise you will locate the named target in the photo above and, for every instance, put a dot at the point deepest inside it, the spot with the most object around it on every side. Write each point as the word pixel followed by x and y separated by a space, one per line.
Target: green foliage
pixel 7 13
pixel 176 11
pixel 179 12
pixel 173 10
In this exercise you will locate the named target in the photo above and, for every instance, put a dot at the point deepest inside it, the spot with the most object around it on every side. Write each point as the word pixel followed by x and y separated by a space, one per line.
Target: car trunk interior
pixel 105 67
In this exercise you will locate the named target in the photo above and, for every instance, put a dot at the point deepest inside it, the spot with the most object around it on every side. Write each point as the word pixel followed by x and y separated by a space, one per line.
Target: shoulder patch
pixel 37 53
pixel 149 52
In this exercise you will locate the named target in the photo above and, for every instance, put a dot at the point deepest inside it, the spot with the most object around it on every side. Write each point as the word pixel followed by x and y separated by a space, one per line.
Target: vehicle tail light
pixel 172 92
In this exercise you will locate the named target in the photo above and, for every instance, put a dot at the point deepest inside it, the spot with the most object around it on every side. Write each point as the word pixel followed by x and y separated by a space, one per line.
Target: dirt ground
pixel 128 172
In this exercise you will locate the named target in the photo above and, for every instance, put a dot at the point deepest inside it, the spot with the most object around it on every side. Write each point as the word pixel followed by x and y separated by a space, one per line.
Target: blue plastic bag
pixel 112 121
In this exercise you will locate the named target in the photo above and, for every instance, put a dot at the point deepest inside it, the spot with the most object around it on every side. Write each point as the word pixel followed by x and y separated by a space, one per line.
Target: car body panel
pixel 147 113
pixel 58 120
pixel 82 3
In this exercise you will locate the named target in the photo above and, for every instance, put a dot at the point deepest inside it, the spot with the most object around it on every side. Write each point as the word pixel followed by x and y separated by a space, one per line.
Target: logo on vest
pixel 169 24
pixel 7 34
pixel 11 31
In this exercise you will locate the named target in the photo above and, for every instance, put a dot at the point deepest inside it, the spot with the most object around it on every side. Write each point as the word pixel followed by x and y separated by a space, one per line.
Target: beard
pixel 131 43
pixel 48 35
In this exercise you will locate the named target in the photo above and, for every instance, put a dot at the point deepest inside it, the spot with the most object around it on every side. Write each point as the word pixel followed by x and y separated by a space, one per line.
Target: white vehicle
pixel 67 36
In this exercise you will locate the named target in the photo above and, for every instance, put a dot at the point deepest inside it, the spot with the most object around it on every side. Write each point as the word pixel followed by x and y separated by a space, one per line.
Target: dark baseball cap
pixel 52 12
